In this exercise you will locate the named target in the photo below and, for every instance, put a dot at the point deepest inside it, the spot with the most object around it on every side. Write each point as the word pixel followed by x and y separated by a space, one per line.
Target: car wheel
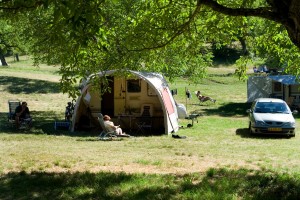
pixel 293 135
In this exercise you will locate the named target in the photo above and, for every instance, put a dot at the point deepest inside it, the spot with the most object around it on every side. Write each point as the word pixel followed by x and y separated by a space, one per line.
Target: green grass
pixel 217 160
pixel 215 184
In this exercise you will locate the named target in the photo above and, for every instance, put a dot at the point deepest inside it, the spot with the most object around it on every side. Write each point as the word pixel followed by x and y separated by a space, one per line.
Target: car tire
pixel 293 135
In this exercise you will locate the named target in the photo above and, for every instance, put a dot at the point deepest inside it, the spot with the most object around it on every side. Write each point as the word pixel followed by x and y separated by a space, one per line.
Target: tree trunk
pixel 244 46
pixel 17 57
pixel 3 61
pixel 294 22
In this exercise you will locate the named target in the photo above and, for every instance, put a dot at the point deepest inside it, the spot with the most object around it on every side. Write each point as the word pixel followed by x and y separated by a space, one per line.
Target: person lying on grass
pixel 204 98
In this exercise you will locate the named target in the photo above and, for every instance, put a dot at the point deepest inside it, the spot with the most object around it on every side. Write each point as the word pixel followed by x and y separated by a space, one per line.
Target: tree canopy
pixel 173 37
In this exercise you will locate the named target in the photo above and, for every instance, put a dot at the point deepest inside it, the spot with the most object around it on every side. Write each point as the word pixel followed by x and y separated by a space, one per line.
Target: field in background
pixel 217 160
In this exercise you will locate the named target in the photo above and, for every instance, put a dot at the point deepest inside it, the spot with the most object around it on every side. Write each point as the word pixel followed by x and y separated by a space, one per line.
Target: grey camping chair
pixel 24 123
pixel 105 134
pixel 12 105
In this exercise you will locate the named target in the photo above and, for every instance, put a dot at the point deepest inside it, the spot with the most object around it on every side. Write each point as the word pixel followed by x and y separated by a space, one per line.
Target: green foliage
pixel 10 38
pixel 279 51
pixel 171 37
pixel 128 35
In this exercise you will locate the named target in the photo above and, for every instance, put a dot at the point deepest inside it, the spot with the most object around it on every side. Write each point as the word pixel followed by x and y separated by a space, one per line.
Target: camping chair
pixel 105 134
pixel 12 105
pixel 24 123
pixel 145 120
pixel 144 125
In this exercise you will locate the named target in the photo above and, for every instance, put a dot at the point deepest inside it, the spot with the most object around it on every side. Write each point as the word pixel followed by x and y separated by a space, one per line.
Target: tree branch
pixel 263 12
pixel 285 12
pixel 11 6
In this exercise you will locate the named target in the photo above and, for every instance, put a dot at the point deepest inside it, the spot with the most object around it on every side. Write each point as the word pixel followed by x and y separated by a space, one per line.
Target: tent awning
pixel 285 79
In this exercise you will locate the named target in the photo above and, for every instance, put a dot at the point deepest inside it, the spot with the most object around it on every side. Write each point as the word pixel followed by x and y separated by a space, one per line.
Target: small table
pixel 193 117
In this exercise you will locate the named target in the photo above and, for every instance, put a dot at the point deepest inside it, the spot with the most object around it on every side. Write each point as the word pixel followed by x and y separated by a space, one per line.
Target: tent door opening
pixel 107 102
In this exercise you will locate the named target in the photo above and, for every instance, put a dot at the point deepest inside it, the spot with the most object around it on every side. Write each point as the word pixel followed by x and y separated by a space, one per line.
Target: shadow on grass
pixel 226 110
pixel 244 133
pixel 43 123
pixel 216 184
pixel 16 85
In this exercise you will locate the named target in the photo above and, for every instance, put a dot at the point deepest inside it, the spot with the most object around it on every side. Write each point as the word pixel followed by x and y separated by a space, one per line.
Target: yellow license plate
pixel 274 129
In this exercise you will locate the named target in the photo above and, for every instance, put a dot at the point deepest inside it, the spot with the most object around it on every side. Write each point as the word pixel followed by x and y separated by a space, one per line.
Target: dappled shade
pixel 217 183
pixel 15 85
pixel 228 109
pixel 43 123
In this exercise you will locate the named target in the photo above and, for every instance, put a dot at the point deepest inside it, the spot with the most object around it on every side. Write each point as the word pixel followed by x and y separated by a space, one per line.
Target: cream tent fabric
pixel 155 88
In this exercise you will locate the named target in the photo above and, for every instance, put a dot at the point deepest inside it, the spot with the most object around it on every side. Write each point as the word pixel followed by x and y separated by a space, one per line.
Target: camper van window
pixel 133 86
pixel 277 87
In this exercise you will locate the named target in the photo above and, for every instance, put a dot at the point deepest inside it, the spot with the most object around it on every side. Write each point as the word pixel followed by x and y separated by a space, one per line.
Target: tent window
pixel 133 86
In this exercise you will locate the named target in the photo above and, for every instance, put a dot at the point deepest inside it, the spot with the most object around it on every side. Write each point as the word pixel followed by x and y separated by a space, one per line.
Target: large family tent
pixel 129 100
pixel 284 87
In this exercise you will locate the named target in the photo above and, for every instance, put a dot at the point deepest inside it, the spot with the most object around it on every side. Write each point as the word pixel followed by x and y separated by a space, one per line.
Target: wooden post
pixel 185 99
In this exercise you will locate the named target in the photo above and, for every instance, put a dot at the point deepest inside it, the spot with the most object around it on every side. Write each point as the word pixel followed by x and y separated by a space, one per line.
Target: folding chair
pixel 12 105
pixel 24 123
pixel 145 120
pixel 105 134
pixel 144 125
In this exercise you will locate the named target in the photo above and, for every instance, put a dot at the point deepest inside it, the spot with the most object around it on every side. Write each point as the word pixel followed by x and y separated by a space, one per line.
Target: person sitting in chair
pixel 22 113
pixel 111 127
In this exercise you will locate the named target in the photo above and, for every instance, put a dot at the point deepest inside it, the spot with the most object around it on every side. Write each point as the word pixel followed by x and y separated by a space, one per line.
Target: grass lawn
pixel 217 160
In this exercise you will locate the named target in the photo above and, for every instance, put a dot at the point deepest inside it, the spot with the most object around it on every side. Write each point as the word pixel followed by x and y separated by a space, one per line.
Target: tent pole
pixel 185 99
